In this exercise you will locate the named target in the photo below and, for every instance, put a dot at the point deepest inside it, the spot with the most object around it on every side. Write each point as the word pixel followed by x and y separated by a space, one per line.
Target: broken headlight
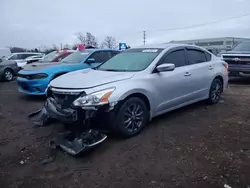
pixel 94 99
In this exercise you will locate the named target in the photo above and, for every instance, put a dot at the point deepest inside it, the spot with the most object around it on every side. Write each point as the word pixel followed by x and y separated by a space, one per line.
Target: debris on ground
pixel 77 143
pixel 227 186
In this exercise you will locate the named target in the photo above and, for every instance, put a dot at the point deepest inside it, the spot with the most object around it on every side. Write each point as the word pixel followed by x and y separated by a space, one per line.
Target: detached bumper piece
pixel 78 144
pixel 40 117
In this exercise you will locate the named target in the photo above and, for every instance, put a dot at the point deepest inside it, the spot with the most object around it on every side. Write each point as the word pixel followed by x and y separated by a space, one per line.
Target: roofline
pixel 211 39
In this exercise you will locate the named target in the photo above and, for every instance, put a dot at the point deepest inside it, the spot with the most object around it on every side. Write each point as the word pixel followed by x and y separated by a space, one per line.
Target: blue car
pixel 34 78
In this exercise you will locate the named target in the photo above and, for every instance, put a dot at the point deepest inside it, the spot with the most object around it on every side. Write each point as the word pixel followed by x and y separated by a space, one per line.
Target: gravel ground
pixel 196 146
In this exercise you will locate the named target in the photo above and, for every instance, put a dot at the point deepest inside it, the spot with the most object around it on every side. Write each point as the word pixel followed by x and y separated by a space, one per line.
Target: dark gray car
pixel 8 69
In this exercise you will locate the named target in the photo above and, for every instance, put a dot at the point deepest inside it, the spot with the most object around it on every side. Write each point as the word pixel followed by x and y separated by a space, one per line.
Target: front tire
pixel 215 92
pixel 8 75
pixel 132 117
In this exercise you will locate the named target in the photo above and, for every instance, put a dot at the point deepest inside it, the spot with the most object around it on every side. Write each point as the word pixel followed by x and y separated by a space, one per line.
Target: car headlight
pixel 94 99
pixel 38 76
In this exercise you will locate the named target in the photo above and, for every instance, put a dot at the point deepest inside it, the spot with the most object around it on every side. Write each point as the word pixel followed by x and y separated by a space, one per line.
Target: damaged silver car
pixel 127 91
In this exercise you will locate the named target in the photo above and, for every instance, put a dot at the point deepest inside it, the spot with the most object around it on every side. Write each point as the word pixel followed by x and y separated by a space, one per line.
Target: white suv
pixel 20 58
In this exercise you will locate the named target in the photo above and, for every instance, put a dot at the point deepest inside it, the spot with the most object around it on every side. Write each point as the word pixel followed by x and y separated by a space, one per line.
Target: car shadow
pixel 38 98
pixel 239 81
pixel 179 112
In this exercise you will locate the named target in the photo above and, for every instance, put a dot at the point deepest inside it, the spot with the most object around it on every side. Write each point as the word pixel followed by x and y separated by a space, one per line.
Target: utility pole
pixel 61 45
pixel 144 38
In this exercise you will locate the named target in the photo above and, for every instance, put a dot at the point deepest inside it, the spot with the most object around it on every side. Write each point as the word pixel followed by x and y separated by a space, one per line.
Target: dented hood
pixel 89 78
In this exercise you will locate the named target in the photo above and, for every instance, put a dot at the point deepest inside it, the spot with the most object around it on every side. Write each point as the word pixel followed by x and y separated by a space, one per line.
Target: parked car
pixel 4 52
pixel 34 58
pixel 214 51
pixel 35 77
pixel 136 85
pixel 20 57
pixel 56 56
pixel 8 69
pixel 238 60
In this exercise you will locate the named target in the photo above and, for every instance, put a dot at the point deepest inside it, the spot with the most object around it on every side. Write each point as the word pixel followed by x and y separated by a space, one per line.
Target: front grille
pixel 237 59
pixel 236 56
pixel 24 86
pixel 237 62
pixel 63 100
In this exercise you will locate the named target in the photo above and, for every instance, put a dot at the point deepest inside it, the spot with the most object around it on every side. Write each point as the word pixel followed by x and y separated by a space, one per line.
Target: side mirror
pixel 1 60
pixel 90 60
pixel 165 67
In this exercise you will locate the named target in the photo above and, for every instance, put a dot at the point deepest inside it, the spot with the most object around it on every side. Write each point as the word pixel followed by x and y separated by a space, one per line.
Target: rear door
pixel 201 69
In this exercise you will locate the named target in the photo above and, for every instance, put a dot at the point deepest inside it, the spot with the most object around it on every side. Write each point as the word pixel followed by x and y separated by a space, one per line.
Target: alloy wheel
pixel 133 117
pixel 216 91
pixel 8 75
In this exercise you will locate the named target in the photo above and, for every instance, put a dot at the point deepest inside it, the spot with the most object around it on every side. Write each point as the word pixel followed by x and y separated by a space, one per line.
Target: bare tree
pixel 88 39
pixel 81 37
pixel 74 47
pixel 91 40
pixel 66 47
pixel 109 42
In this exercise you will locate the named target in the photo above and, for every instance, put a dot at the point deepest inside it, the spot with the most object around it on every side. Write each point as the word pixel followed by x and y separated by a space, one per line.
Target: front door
pixel 172 88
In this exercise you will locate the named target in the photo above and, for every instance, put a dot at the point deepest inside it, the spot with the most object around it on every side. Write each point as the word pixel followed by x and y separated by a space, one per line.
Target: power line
pixel 199 25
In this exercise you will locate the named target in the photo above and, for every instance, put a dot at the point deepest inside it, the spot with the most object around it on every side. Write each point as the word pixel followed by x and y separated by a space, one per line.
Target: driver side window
pixel 100 57
pixel 176 57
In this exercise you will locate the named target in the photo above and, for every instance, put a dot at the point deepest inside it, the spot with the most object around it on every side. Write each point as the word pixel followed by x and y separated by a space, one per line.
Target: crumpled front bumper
pixel 67 115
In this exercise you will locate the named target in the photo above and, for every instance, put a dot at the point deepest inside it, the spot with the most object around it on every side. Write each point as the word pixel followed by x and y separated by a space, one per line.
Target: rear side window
pixel 176 57
pixel 196 56
pixel 24 56
pixel 208 56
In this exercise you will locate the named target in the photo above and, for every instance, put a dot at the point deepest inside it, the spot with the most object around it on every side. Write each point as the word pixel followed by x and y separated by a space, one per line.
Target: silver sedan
pixel 139 84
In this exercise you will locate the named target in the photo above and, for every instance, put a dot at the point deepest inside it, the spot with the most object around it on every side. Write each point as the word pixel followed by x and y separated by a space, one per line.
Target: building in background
pixel 222 44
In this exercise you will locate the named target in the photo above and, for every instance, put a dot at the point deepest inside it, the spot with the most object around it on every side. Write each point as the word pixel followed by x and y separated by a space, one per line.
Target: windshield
pixel 243 46
pixel 131 60
pixel 76 57
pixel 51 56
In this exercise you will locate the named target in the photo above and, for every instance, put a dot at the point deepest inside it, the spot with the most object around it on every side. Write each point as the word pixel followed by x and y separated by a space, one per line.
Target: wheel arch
pixel 3 70
pixel 6 68
pixel 221 79
pixel 138 94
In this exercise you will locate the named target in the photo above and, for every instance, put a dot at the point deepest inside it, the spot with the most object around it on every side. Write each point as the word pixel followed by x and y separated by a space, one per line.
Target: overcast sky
pixel 32 23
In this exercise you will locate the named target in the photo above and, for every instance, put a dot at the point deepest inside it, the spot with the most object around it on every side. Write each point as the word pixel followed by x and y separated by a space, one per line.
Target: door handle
pixel 210 67
pixel 187 74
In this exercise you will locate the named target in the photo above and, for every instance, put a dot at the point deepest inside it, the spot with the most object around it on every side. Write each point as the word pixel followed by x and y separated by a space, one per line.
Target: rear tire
pixel 215 92
pixel 132 116
pixel 8 75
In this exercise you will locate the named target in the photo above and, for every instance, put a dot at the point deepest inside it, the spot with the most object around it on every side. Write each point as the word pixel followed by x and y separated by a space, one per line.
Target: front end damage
pixel 77 110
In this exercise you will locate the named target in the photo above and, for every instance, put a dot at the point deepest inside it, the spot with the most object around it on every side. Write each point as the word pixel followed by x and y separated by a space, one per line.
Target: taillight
pixel 225 65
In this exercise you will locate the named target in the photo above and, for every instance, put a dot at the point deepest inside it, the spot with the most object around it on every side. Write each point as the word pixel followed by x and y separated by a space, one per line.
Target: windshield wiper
pixel 106 69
